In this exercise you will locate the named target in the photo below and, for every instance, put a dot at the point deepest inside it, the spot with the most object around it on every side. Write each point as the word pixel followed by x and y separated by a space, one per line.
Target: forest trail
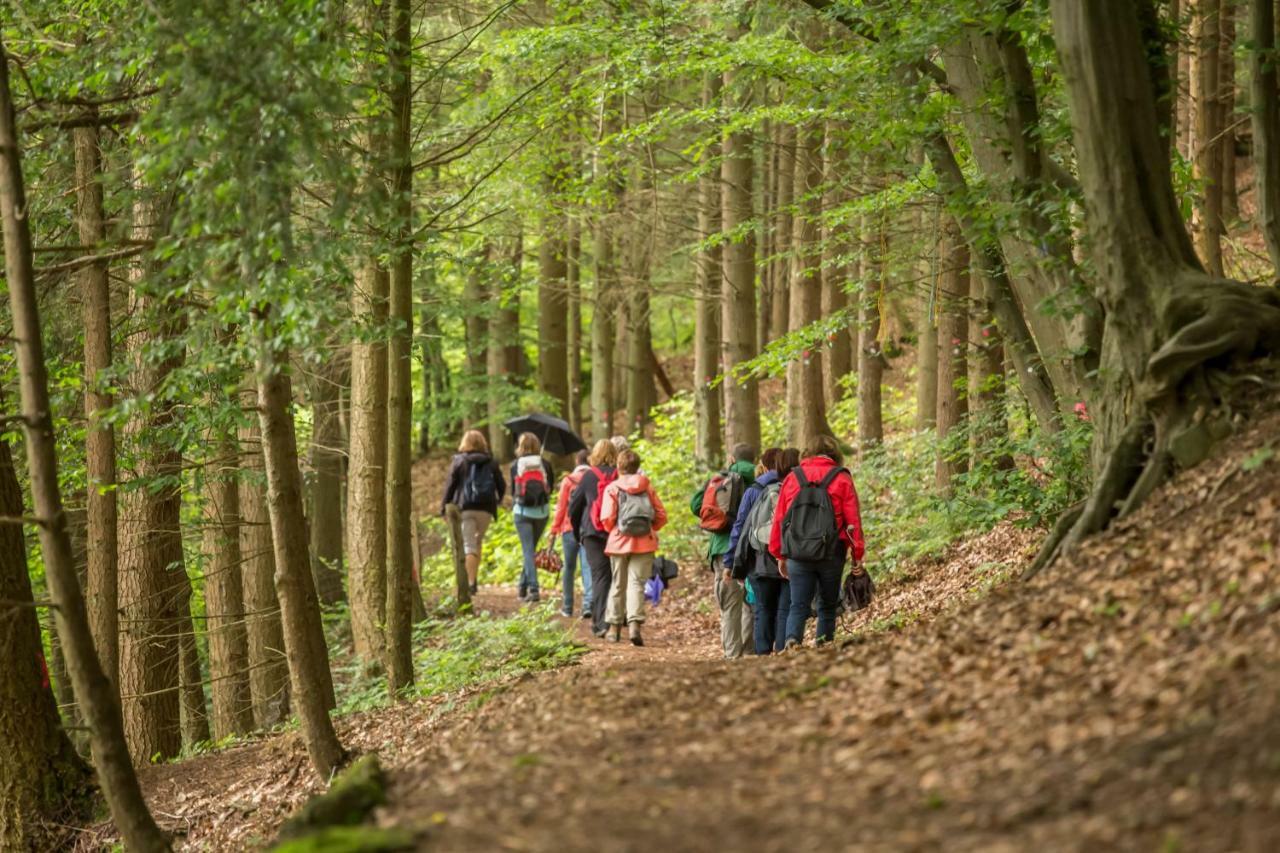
pixel 1135 705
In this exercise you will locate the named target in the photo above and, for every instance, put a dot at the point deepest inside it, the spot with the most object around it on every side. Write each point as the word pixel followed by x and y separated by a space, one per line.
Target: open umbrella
pixel 557 436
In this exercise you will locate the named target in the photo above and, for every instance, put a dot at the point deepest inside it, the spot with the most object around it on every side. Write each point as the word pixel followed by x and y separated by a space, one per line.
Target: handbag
pixel 857 590
pixel 548 560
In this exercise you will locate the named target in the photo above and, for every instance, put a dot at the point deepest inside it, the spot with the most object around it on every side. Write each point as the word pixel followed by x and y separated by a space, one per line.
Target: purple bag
pixel 653 588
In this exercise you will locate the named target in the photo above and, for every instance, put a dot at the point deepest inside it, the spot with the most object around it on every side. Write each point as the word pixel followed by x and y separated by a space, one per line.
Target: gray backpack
pixel 635 513
pixel 760 519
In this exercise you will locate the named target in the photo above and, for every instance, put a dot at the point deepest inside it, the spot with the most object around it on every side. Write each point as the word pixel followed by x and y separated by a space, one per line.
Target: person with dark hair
pixel 584 515
pixel 573 554
pixel 633 514
pixel 817 522
pixel 748 559
pixel 716 506
pixel 475 486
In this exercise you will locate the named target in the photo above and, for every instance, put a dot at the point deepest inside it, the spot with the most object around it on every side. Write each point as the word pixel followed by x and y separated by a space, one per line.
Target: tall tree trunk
pixel 953 347
pixel 1181 62
pixel 708 446
pixel 477 294
pixel 1265 105
pixel 784 234
pixel 768 213
pixel 224 591
pixel 94 691
pixel 299 607
pixel 606 296
pixel 505 349
pixel 326 485
pixel 101 585
pixel 553 308
pixel 1230 195
pixel 640 392
pixel 1166 320
pixel 573 339
pixel 400 528
pixel 195 715
pixel 268 673
pixel 870 354
pixel 986 373
pixel 837 359
pixel 1207 36
pixel 738 320
pixel 927 360
pixel 367 471
pixel 806 402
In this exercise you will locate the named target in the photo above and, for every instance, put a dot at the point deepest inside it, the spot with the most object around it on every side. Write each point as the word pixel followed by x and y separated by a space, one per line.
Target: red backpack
pixel 720 500
pixel 531 483
pixel 602 482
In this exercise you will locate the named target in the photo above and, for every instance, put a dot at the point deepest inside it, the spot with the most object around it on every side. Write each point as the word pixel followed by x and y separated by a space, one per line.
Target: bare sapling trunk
pixel 784 234
pixel 400 528
pixel 1264 74
pixel 1175 336
pixel 871 358
pixel 102 581
pixel 952 349
pixel 94 691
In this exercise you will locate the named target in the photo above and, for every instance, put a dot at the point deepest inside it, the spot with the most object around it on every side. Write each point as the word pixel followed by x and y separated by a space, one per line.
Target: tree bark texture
pixel 784 234
pixel 94 691
pixel 1207 164
pixel 953 348
pixel 478 295
pixel 505 349
pixel 326 460
pixel 553 310
pixel 1265 103
pixel 1227 85
pixel 709 446
pixel 870 353
pixel 806 402
pixel 837 358
pixel 573 338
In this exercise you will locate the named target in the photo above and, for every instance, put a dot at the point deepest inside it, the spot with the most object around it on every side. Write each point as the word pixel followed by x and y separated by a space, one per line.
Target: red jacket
pixel 561 523
pixel 844 500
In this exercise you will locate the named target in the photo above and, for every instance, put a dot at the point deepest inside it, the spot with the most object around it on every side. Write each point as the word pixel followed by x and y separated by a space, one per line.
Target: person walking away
pixel 584 516
pixel 475 486
pixel 531 479
pixel 573 555
pixel 817 522
pixel 716 506
pixel 748 558
pixel 632 513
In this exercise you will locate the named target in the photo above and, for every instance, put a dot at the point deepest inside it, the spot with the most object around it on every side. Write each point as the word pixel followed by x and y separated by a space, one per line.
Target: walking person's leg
pixel 524 531
pixel 616 615
pixel 569 544
pixel 783 614
pixel 828 600
pixel 729 598
pixel 588 584
pixel 748 629
pixel 804 578
pixel 766 607
pixel 537 525
pixel 601 577
pixel 639 568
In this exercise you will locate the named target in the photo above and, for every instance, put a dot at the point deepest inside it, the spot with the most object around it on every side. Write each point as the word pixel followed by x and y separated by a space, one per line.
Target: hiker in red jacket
pixel 816 524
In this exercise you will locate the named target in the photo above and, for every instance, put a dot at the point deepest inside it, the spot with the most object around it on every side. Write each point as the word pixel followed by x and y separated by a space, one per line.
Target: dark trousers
pixel 601 579
pixel 773 603
pixel 805 579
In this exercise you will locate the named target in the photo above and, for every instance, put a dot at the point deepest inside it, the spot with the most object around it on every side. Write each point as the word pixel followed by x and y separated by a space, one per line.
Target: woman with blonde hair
pixel 531 479
pixel 632 513
pixel 476 487
pixel 584 512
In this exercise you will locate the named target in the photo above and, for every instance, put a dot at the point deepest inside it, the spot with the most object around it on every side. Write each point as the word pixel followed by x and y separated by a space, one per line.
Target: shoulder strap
pixel 801 479
pixel 831 476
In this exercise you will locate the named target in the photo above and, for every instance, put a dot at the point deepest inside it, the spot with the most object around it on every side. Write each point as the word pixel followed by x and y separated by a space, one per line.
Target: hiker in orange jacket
pixel 633 514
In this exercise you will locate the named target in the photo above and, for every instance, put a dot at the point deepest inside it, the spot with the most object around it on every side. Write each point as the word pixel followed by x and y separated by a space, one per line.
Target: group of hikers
pixel 780 530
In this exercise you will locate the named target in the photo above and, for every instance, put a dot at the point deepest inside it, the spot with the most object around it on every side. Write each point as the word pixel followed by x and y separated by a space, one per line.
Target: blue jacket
pixel 749 498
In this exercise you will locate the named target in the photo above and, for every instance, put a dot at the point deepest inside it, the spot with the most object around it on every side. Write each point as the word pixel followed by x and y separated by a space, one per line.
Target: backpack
pixel 635 513
pixel 531 482
pixel 809 529
pixel 759 522
pixel 720 501
pixel 602 482
pixel 478 487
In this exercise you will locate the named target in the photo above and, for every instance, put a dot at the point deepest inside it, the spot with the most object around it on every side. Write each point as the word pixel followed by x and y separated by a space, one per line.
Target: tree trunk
pixel 784 234
pixel 477 294
pixel 1184 132
pixel 505 349
pixel 268 675
pixel 573 282
pixel 806 402
pixel 927 360
pixel 837 359
pixel 870 355
pixel 708 447
pixel 1166 320
pixel 602 339
pixel 300 608
pixel 195 716
pixel 101 585
pixel 94 691
pixel 399 498
pixel 224 592
pixel 1207 164
pixel 738 320
pixel 553 309
pixel 326 486
pixel 953 346
pixel 367 471
pixel 1230 195
pixel 986 373
pixel 768 212
pixel 1265 104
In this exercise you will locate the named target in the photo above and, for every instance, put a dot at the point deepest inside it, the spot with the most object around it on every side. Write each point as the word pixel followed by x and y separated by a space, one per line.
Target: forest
pixel 282 275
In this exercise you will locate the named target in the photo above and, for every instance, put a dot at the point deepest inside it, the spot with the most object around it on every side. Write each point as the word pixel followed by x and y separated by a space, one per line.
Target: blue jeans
pixel 530 531
pixel 805 578
pixel 773 601
pixel 574 557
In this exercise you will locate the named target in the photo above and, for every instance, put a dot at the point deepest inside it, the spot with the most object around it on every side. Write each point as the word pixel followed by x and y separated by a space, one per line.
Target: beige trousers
pixel 737 622
pixel 626 593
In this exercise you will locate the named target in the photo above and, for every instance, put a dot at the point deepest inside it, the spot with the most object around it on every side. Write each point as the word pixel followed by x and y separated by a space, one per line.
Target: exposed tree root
pixel 1213 327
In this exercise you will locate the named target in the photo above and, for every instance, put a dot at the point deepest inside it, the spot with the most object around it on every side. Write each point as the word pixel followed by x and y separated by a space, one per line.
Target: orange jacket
pixel 618 542
pixel 561 523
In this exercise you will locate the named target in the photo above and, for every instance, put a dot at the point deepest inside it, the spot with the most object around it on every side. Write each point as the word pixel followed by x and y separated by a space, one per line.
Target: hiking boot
pixel 600 632
pixel 521 594
pixel 533 597
pixel 615 633
pixel 586 614
pixel 792 643
pixel 566 612
pixel 636 639
pixel 475 588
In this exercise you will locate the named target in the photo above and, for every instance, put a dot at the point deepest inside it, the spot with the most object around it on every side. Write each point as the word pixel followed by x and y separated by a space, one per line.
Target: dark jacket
pixel 584 497
pixel 752 562
pixel 458 475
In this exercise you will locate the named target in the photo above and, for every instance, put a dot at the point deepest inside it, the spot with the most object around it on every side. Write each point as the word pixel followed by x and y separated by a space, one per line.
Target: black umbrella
pixel 558 438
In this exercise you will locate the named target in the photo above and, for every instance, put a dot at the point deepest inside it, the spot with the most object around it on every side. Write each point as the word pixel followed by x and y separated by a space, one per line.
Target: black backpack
pixel 478 487
pixel 809 530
